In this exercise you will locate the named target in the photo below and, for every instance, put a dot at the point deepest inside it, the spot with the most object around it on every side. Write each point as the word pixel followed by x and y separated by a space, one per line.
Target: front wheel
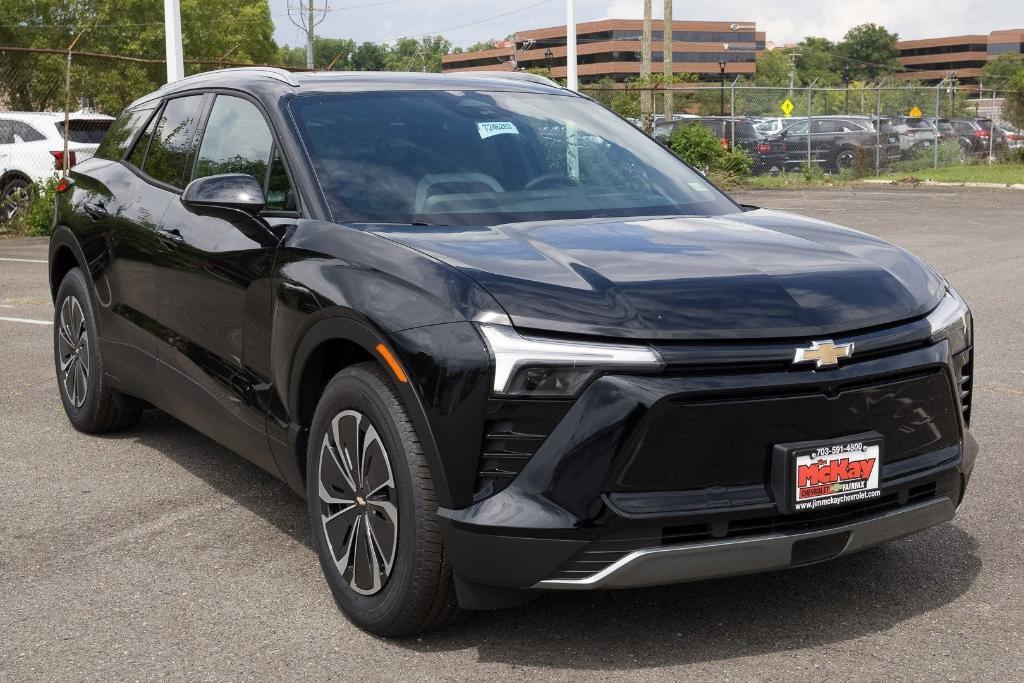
pixel 373 509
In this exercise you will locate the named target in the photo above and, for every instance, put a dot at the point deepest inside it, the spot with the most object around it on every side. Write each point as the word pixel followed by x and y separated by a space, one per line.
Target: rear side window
pixel 86 131
pixel 122 131
pixel 9 130
pixel 171 146
pixel 237 140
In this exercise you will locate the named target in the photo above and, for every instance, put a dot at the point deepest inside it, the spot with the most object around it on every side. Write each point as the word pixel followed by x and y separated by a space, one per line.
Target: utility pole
pixel 172 38
pixel 792 71
pixel 309 17
pixel 666 58
pixel 571 80
pixel 646 98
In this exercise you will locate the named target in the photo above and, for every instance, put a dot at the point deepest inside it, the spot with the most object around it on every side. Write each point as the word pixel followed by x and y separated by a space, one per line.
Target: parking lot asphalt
pixel 157 553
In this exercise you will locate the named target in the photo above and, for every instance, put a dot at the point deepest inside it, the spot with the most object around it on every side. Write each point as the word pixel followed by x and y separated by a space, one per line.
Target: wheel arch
pixel 14 174
pixel 328 347
pixel 65 254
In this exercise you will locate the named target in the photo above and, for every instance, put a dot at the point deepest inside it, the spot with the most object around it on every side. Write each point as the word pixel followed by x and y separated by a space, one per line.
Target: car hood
pixel 756 274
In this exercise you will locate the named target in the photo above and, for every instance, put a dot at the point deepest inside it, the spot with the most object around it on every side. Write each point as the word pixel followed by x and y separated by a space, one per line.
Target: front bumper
pixel 665 565
pixel 586 510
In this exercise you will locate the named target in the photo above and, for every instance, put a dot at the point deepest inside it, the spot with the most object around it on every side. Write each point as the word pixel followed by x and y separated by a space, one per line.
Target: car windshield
pixel 485 158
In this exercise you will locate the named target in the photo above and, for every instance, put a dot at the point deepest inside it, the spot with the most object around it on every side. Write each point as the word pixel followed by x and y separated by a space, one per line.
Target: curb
pixel 937 183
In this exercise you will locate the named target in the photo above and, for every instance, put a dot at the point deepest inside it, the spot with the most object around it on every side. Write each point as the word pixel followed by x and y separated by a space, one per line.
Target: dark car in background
pixel 833 143
pixel 502 341
pixel 981 133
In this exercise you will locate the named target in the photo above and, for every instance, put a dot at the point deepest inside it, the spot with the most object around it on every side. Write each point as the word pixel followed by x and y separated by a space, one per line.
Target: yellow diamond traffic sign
pixel 787 107
pixel 915 112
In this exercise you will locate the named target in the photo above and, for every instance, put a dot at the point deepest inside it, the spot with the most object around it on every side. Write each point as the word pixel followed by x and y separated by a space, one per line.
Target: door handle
pixel 171 237
pixel 95 211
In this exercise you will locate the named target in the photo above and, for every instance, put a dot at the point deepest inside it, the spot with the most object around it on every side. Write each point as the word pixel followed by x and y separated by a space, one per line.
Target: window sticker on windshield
pixel 489 128
pixel 698 186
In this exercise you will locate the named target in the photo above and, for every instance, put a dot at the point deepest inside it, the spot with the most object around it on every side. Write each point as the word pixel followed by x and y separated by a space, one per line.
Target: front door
pixel 213 284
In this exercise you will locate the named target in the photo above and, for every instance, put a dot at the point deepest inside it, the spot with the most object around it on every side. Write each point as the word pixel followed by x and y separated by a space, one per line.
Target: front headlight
pixel 529 366
pixel 951 320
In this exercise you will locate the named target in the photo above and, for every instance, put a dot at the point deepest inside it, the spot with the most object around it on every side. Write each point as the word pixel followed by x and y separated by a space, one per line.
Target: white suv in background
pixel 32 148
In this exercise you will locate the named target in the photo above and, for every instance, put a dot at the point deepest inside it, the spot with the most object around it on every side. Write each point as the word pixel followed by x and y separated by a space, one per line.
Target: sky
pixel 468 21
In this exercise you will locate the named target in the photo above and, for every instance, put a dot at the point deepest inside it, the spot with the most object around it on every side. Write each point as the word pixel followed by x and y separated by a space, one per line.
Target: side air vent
pixel 514 431
pixel 965 364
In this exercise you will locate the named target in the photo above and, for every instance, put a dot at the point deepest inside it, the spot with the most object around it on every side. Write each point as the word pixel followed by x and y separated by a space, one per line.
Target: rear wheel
pixel 90 404
pixel 373 510
pixel 13 198
pixel 843 159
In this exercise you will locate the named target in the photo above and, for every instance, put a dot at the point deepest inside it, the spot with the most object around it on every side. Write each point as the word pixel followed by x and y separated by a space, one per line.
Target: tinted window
pixel 138 154
pixel 121 132
pixel 236 140
pixel 481 158
pixel 10 129
pixel 88 131
pixel 279 191
pixel 171 147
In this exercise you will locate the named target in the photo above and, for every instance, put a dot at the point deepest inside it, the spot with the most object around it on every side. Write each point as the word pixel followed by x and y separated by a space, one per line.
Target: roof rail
pixel 510 75
pixel 274 72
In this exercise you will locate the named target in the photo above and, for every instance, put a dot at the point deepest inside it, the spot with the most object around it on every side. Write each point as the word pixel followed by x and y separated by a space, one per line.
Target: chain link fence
pixel 860 131
pixel 55 107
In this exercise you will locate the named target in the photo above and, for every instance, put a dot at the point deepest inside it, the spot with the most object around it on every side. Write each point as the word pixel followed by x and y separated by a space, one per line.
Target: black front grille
pixel 513 432
pixel 708 443
pixel 613 547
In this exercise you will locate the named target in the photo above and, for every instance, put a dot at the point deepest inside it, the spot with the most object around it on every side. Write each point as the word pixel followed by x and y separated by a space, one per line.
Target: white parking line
pixel 26 320
pixel 23 260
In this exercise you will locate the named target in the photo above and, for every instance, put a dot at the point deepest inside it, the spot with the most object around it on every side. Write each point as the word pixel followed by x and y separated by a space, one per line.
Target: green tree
pixel 871 52
pixel 211 29
pixel 773 68
pixel 370 57
pixel 817 62
pixel 998 72
pixel 1014 111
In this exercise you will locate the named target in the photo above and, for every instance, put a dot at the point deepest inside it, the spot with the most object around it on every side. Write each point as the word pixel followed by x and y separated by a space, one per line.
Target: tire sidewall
pixel 74 284
pixel 361 388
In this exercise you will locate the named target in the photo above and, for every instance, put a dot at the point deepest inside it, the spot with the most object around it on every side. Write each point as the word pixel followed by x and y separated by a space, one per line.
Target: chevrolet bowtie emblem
pixel 823 354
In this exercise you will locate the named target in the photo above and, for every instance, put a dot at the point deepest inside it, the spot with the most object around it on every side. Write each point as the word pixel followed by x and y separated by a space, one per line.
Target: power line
pixel 484 20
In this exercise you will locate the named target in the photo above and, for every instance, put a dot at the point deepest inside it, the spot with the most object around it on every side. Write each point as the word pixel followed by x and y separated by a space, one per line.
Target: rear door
pixel 213 286
pixel 120 211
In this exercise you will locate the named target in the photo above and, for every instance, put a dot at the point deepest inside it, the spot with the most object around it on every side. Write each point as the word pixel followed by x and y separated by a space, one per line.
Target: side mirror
pixel 232 196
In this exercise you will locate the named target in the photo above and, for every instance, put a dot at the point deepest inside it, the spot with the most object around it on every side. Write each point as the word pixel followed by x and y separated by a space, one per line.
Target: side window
pixel 236 140
pixel 171 147
pixel 6 133
pixel 798 128
pixel 279 191
pixel 26 132
pixel 120 134
pixel 138 154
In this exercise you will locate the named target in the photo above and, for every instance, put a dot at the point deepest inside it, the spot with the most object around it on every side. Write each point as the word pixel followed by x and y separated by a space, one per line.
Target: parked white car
pixel 32 148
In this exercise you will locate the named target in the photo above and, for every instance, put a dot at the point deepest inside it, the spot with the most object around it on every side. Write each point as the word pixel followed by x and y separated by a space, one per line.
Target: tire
pixel 90 404
pixel 13 197
pixel 360 414
pixel 843 159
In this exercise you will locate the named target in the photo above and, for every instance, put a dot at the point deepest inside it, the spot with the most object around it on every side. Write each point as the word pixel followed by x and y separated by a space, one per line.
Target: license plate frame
pixel 825 468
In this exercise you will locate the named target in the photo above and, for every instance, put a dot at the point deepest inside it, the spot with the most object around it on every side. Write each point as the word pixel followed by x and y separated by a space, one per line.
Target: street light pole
pixel 721 88
pixel 172 37
pixel 571 80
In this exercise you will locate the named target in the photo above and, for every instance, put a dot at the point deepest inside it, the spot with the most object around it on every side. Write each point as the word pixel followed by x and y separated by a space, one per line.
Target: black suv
pixel 503 342
pixel 834 142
